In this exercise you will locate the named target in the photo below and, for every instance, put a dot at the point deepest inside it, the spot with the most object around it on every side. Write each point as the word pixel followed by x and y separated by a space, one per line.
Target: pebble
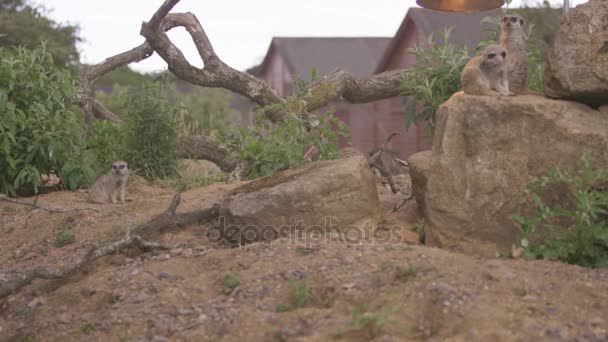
pixel 35 302
pixel 159 338
pixel 164 275
pixel 87 292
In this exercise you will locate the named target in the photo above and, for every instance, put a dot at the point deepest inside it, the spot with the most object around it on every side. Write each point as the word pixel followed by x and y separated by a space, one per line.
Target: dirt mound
pixel 386 288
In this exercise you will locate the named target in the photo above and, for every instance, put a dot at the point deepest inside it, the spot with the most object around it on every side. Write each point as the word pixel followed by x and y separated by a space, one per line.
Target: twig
pixel 403 202
pixel 36 206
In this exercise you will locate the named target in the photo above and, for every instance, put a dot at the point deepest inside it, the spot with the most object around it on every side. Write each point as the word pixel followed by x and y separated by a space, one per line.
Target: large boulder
pixel 577 63
pixel 485 151
pixel 325 195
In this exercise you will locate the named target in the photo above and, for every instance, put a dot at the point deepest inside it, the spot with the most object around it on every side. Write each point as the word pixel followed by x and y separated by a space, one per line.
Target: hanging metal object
pixel 467 6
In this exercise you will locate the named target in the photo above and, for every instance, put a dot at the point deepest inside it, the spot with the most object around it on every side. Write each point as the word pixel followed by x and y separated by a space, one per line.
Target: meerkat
pixel 487 74
pixel 111 185
pixel 512 39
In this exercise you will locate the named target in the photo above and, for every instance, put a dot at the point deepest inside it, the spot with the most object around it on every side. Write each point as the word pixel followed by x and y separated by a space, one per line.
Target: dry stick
pixel 167 219
pixel 35 205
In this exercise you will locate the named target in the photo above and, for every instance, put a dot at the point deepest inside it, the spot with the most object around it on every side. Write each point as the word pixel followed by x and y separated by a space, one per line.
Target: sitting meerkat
pixel 512 39
pixel 111 185
pixel 487 74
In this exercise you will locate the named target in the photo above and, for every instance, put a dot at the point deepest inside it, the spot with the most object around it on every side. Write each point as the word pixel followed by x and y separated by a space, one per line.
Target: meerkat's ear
pixel 505 19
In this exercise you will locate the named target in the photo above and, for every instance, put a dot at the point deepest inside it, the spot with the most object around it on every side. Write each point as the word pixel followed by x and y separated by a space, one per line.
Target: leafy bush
pixel 575 225
pixel 39 132
pixel 269 148
pixel 433 78
pixel 147 137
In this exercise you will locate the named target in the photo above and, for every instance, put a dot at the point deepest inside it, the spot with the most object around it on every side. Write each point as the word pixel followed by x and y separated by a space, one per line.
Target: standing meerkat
pixel 111 185
pixel 487 74
pixel 512 39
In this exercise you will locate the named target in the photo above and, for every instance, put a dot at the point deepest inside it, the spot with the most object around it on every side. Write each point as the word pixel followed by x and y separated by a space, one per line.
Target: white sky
pixel 240 30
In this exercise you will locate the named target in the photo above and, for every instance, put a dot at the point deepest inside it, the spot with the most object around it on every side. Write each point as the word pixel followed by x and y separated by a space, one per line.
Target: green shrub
pixel 230 282
pixel 64 237
pixel 574 227
pixel 433 78
pixel 39 132
pixel 107 143
pixel 271 148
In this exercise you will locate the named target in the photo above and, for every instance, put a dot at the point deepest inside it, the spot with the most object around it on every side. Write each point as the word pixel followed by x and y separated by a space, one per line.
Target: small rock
pixel 184 311
pixel 176 251
pixel 141 297
pixel 164 275
pixel 517 253
pixel 529 298
pixel 596 321
pixel 135 272
pixel 65 318
pixel 163 257
pixel 35 302
pixel 187 252
pixel 159 338
pixel 87 292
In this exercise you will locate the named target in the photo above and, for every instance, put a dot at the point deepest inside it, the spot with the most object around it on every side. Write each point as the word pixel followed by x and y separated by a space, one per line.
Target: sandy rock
pixel 334 194
pixel 420 165
pixel 577 63
pixel 485 151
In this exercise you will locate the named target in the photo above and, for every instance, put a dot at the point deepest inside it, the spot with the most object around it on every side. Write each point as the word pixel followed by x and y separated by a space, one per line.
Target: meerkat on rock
pixel 512 39
pixel 487 74
pixel 112 185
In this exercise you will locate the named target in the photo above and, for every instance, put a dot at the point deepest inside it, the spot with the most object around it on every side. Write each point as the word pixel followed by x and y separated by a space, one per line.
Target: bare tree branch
pixel 202 147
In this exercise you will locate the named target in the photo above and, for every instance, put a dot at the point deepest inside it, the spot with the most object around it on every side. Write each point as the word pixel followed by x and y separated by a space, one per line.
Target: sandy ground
pixel 285 291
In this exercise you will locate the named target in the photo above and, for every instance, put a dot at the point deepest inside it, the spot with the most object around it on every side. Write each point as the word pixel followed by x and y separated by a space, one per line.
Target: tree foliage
pixel 23 23
pixel 39 132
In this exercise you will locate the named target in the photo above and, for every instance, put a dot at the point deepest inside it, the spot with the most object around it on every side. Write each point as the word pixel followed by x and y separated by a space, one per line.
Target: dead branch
pixel 35 205
pixel 403 202
pixel 88 74
pixel 215 73
pixel 375 160
pixel 203 147
pixel 133 238
pixel 343 85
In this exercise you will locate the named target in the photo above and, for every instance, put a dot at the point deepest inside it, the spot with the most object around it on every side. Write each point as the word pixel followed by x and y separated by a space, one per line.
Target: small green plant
pixel 299 297
pixel 418 228
pixel 300 292
pixel 433 78
pixel 372 323
pixel 405 274
pixel 87 328
pixel 574 228
pixel 230 282
pixel 40 134
pixel 282 307
pixel 64 237
pixel 72 299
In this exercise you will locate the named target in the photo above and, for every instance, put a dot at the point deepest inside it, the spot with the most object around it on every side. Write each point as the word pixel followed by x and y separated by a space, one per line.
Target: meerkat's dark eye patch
pixel 492 55
pixel 505 19
pixel 503 54
pixel 521 22
pixel 514 19
pixel 121 166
